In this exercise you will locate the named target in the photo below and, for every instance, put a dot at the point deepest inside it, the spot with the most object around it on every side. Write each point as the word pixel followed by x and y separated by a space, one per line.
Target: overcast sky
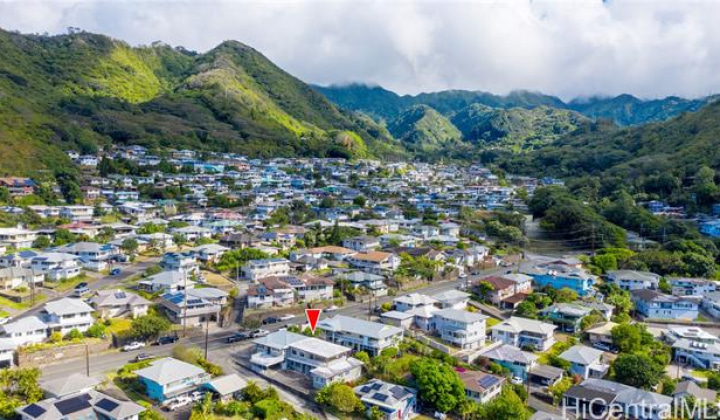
pixel 649 48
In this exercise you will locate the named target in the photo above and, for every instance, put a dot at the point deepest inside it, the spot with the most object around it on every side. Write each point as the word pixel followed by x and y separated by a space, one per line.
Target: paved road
pixel 102 282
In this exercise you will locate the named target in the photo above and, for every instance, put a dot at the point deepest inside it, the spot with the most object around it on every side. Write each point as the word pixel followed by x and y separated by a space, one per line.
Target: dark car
pixel 271 320
pixel 167 340
pixel 238 336
pixel 81 285
pixel 115 271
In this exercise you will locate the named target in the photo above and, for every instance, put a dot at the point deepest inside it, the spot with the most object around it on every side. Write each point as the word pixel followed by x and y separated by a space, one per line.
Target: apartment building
pixel 256 269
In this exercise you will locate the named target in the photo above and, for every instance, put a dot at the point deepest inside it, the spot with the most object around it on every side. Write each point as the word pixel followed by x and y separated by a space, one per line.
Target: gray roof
pixel 690 387
pixel 67 306
pixel 581 355
pixel 396 315
pixel 452 296
pixel 415 299
pixel 541 415
pixel 168 370
pixel 359 326
pixel 281 339
pixel 625 394
pixel 517 324
pixel 384 394
pixel 68 385
pixel 118 297
pixel 227 384
pixel 207 293
pixel 31 323
pixel 508 353
pixel 83 405
pixel 634 275
pixel 460 316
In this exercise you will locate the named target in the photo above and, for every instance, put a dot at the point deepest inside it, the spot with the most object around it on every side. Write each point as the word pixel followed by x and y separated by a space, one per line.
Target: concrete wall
pixel 58 354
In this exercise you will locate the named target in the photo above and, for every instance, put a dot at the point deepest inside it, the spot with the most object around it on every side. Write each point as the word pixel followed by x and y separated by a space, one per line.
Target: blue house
pixel 168 378
pixel 518 362
pixel 559 276
pixel 653 304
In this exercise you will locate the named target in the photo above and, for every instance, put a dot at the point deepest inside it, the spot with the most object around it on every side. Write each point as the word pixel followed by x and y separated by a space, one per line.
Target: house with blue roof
pixel 559 276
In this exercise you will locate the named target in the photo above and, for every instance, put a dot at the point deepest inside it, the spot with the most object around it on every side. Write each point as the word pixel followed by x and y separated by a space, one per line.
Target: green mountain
pixel 623 110
pixel 657 158
pixel 629 110
pixel 422 129
pixel 515 128
pixel 82 91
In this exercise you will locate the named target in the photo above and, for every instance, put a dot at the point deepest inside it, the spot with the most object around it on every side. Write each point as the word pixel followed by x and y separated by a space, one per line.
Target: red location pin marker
pixel 313 316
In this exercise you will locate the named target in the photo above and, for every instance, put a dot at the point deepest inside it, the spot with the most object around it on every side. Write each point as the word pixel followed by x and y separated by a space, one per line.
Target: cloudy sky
pixel 569 48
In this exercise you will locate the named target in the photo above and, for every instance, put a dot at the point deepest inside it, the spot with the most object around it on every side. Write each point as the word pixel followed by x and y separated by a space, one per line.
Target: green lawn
pixel 491 322
pixel 5 302
pixel 118 325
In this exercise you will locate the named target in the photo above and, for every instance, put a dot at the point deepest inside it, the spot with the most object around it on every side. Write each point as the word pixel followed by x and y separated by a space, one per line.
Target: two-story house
pixel 375 262
pixel 168 378
pixel 17 238
pixel 56 266
pixel 272 267
pixel 567 316
pixel 362 243
pixel 359 334
pixel 525 333
pixel 654 304
pixel 29 330
pixel 462 329
pixel 452 299
pixel 183 262
pixel 411 301
pixel 585 361
pixel 517 361
pixel 271 291
pixel 692 287
pixel 481 387
pixel 633 280
pixel 119 303
pixel 559 276
pixel 395 402
pixel 182 308
pixel 67 314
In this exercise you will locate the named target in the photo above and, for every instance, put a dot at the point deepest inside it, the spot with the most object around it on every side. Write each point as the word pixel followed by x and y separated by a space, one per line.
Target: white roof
pixel 168 370
pixel 582 355
pixel 31 323
pixel 67 306
pixel 517 324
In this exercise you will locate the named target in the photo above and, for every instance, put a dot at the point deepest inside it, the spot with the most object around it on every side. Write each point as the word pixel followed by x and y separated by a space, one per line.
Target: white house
pixel 523 332
pixel 256 269
pixel 56 265
pixel 585 361
pixel 462 329
pixel 17 238
pixel 67 314
pixel 375 262
pixel 633 280
pixel 360 335
pixel 29 330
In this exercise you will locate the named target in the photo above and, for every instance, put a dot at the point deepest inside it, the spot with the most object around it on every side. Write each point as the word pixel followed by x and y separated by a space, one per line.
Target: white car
pixel 287 317
pixel 516 380
pixel 197 396
pixel 332 309
pixel 135 345
pixel 178 403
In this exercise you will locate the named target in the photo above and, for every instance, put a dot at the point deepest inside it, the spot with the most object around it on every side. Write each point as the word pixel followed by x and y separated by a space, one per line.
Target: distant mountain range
pixel 623 110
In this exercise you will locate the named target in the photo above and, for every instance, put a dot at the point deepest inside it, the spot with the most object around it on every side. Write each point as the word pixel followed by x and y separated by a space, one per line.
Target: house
pixel 93 256
pixel 29 330
pixel 183 262
pixel 67 385
pixel 481 387
pixel 633 280
pixel 517 361
pixel 711 303
pixel 210 253
pixel 702 355
pixel 167 282
pixel 373 283
pixel 210 294
pixel 14 277
pixel 545 375
pixel 691 287
pixel 559 276
pixel 596 398
pixel 323 362
pixel 226 388
pixel 654 304
pixel 270 292
pixel 77 213
pixel 423 316
pixel 119 303
pixel 460 328
pixel 331 252
pixel 412 301
pixel 56 266
pixel 22 259
pixel 184 309
pixel 395 402
pixel 689 388
pixel 239 240
pixel 17 238
pixel 67 314
pixel 192 233
pixel 602 334
pixel 168 378
pixel 84 405
pixel 18 187
pixel 273 267
pixel 503 289
pixel 375 262
pixel 360 335
pixel 399 319
pixel 567 315
pixel 309 288
pixel 452 299
pixel 585 361
pixel 362 243
pixel 524 333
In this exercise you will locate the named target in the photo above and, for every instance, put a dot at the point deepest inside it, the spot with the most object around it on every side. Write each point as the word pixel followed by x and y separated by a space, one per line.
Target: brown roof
pixel 516 298
pixel 375 256
pixel 498 283
pixel 472 380
pixel 331 249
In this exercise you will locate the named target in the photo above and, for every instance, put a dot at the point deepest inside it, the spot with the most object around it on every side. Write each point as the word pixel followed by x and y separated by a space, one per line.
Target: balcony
pixel 266 360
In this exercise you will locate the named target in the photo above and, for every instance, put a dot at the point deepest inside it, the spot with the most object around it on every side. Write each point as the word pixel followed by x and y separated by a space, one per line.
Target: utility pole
pixel 184 304
pixel 87 359
pixel 207 335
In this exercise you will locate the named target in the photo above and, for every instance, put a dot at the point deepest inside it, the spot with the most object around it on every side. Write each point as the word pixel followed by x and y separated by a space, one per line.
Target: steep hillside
pixel 653 157
pixel 83 90
pixel 423 129
pixel 515 128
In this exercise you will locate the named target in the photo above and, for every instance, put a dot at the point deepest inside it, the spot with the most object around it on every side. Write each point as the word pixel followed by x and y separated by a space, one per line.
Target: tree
pixel 339 396
pixel 96 330
pixel 565 295
pixel 18 387
pixel 559 389
pixel 630 338
pixel 41 242
pixel 484 288
pixel 149 326
pixel 238 257
pixel 180 239
pixel 129 245
pixel 360 201
pixel 505 406
pixel 439 385
pixel 64 236
pixel 74 334
pixel 527 309
pixel 637 370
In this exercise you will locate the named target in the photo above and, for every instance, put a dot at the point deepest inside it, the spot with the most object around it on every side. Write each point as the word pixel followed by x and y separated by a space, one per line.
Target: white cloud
pixel 649 48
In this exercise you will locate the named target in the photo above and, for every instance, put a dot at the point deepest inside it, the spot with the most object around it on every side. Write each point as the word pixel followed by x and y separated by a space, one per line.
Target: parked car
pixel 169 339
pixel 135 345
pixel 270 320
pixel 259 333
pixel 332 309
pixel 515 380
pixel 601 346
pixel 238 336
pixel 143 356
pixel 115 271
pixel 81 289
pixel 4 320
pixel 287 317
pixel 178 403
pixel 197 395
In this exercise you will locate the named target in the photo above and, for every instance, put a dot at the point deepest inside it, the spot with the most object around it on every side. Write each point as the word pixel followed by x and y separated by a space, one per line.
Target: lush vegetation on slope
pixel 629 110
pixel 83 90
pixel 423 129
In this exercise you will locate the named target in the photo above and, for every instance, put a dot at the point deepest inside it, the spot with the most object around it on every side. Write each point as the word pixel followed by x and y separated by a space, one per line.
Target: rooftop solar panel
pixel 34 410
pixel 487 381
pixel 365 389
pixel 73 405
pixel 107 405
pixel 379 397
pixel 398 392
pixel 376 386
